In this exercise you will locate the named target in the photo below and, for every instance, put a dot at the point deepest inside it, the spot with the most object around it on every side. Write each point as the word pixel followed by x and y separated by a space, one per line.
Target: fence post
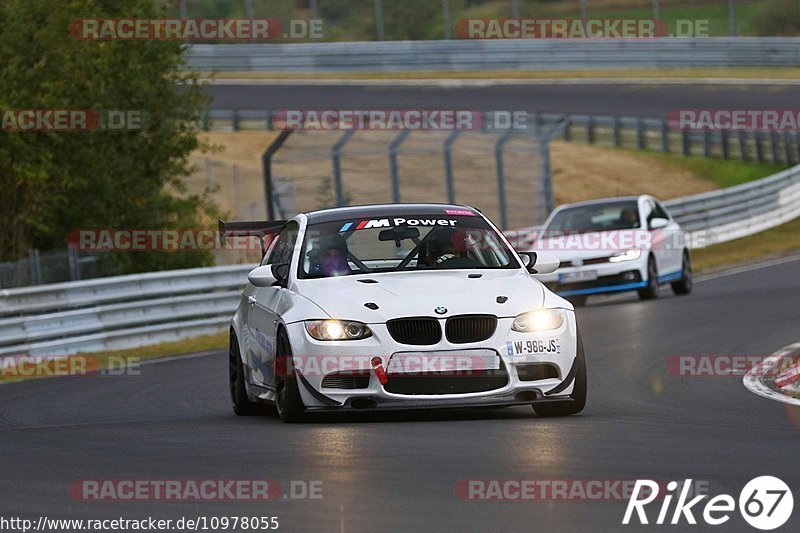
pixel 641 143
pixel 544 200
pixel 448 165
pixel 266 164
pixel 501 177
pixel 759 146
pixel 707 142
pixel 616 132
pixel 568 131
pixel 743 145
pixel 590 130
pixel 393 147
pixel 336 157
pixel 664 137
pixel 723 140
pixel 235 120
pixel 787 146
pixel 687 146
pixel 773 139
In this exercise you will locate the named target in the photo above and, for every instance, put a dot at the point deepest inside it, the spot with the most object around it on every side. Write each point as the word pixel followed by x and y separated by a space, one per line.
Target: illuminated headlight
pixel 540 320
pixel 337 330
pixel 628 255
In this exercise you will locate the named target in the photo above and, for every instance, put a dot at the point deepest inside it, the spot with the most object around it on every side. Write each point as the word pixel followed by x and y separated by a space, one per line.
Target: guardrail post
pixel 773 139
pixel 616 132
pixel 501 177
pixel 723 142
pixel 664 137
pixel 266 165
pixel 393 147
pixel 743 145
pixel 759 146
pixel 568 131
pixel 448 165
pixel 336 158
pixel 641 143
pixel 687 142
pixel 590 130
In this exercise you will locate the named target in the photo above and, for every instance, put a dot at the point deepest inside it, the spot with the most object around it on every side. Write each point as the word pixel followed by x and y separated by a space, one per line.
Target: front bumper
pixel 611 277
pixel 314 360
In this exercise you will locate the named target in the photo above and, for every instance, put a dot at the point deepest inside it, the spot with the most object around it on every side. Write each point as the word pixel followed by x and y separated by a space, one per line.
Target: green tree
pixel 55 181
pixel 778 18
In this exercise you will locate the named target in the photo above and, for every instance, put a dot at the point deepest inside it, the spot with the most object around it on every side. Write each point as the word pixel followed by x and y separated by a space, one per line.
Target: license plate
pixel 451 361
pixel 534 347
pixel 577 277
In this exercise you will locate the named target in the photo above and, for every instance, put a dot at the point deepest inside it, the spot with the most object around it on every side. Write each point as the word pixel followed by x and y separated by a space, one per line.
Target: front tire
pixel 242 405
pixel 578 395
pixel 685 284
pixel 651 291
pixel 288 402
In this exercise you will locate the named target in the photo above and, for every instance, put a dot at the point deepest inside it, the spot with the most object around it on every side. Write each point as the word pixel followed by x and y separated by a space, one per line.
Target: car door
pixel 673 254
pixel 264 305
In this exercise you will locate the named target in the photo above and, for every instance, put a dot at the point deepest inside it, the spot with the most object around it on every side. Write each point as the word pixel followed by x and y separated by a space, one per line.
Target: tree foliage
pixel 53 182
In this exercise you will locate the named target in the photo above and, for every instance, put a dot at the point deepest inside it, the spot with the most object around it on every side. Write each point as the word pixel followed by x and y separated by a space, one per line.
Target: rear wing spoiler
pixel 258 228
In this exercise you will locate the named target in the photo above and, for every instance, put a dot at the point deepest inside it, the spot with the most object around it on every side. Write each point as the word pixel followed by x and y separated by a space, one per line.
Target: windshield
pixel 596 217
pixel 393 244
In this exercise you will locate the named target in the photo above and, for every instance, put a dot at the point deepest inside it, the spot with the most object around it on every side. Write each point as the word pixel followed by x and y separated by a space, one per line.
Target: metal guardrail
pixel 521 54
pixel 118 312
pixel 135 310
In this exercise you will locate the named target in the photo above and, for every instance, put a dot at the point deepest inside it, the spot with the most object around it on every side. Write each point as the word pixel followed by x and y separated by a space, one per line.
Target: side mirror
pixel 262 276
pixel 658 223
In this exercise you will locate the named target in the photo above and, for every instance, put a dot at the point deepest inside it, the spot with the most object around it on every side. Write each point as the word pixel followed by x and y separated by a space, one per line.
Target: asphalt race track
pixel 398 471
pixel 629 98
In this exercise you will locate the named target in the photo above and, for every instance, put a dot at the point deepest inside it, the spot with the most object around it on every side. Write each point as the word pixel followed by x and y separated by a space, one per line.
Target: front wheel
pixel 685 284
pixel 650 292
pixel 578 396
pixel 287 396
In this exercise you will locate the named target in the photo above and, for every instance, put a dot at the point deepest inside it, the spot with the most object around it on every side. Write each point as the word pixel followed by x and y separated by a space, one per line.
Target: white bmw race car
pixel 612 245
pixel 400 306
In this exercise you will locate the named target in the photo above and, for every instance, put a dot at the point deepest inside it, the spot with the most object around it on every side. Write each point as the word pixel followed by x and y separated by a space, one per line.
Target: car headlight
pixel 337 330
pixel 628 255
pixel 539 320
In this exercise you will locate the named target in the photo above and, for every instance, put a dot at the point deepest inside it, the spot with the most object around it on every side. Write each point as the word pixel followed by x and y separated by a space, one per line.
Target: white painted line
pixel 489 82
pixel 753 379
pixel 748 268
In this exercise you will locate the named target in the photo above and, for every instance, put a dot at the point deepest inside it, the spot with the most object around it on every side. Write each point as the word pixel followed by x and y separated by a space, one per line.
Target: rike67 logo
pixel 765 503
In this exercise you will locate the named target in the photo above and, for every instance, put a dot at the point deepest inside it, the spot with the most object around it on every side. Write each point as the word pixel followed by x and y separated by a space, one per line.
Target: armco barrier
pixel 520 54
pixel 136 310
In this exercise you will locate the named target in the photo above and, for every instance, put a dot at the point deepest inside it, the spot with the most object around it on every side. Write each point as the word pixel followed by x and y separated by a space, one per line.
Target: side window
pixel 660 212
pixel 284 245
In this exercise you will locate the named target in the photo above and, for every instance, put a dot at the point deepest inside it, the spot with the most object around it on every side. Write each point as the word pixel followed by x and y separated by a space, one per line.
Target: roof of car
pixel 382 210
pixel 604 201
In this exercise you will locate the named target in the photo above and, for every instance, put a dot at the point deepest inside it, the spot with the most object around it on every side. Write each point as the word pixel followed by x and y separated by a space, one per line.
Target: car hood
pixel 403 294
pixel 592 244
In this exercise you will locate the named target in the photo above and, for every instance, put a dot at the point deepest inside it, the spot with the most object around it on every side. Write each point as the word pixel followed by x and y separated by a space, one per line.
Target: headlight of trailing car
pixel 627 255
pixel 337 330
pixel 539 320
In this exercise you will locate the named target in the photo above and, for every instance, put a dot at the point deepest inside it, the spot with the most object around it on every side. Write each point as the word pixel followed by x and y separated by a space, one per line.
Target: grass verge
pixel 780 241
pixel 722 172
pixel 104 360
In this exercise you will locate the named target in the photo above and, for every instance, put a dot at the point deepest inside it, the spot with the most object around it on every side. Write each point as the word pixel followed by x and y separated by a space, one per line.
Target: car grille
pixel 418 331
pixel 346 380
pixel 447 382
pixel 470 328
